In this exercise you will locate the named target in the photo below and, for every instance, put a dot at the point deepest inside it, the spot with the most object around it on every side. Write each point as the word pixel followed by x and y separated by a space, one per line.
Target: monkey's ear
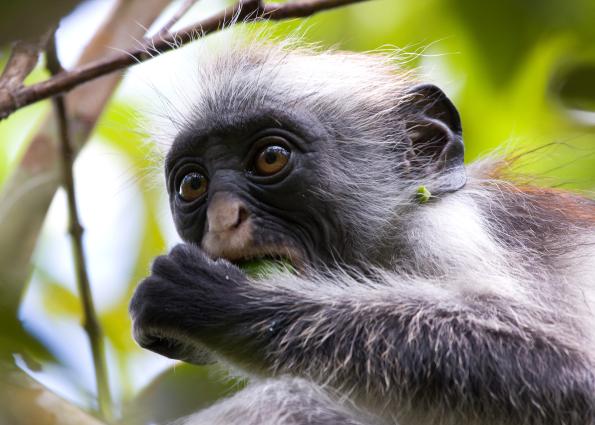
pixel 435 135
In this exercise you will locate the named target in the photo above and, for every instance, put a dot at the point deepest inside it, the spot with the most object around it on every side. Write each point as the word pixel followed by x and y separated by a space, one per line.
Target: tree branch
pixel 22 60
pixel 91 323
pixel 185 7
pixel 243 11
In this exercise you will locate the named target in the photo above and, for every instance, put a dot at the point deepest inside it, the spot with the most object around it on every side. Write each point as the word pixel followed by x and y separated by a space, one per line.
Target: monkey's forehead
pixel 263 76
pixel 272 73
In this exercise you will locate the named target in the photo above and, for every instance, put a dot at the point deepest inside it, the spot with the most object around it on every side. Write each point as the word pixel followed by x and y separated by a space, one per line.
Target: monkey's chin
pixel 173 347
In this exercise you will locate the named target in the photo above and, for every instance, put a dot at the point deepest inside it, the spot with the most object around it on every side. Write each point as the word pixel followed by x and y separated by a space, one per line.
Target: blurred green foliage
pixel 522 73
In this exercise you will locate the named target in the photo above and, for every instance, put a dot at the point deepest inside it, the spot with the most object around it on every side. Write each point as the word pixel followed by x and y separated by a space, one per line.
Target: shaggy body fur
pixel 474 308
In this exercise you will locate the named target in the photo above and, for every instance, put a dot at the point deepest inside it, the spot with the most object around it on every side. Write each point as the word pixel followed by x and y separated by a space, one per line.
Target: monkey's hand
pixel 180 302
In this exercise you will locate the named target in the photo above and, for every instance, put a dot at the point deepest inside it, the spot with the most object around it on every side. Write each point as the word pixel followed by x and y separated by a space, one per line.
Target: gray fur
pixel 287 401
pixel 489 291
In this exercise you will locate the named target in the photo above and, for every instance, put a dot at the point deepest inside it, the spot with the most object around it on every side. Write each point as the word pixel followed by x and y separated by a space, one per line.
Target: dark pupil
pixel 270 156
pixel 195 181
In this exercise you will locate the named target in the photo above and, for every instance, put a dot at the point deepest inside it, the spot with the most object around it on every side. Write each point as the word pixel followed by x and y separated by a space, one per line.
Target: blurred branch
pixel 185 7
pixel 22 60
pixel 242 11
pixel 27 194
pixel 24 401
pixel 90 322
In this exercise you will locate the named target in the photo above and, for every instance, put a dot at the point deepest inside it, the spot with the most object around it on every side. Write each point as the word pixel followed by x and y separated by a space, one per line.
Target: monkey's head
pixel 312 157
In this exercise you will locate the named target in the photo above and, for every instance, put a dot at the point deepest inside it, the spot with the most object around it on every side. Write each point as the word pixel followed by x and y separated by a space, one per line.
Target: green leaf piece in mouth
pixel 261 268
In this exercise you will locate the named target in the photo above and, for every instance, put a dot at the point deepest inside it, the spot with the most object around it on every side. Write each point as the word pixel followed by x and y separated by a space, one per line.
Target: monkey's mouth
pixel 262 261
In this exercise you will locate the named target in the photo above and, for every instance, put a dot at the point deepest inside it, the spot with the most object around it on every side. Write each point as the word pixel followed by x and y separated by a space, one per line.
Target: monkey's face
pixel 244 188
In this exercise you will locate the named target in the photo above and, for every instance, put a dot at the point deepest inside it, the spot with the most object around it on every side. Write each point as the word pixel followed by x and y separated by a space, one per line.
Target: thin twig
pixel 90 322
pixel 243 11
pixel 22 60
pixel 185 7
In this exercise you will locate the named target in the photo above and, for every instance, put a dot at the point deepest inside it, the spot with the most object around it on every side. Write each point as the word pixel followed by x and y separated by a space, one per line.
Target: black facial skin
pixel 282 207
pixel 284 212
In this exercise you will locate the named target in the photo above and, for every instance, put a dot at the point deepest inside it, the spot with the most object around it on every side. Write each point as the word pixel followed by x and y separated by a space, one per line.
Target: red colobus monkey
pixel 425 292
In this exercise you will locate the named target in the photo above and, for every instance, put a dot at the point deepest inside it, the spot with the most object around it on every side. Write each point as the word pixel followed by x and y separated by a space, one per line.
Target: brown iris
pixel 271 160
pixel 193 186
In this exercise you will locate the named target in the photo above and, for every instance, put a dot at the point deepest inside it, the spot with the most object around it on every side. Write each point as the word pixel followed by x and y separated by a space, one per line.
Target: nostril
pixel 242 216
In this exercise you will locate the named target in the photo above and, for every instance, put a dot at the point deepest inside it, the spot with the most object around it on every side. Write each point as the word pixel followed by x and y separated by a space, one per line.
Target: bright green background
pixel 521 72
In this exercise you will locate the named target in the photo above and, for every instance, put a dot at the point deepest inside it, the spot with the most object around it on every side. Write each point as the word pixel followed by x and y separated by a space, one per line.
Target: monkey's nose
pixel 225 213
pixel 229 228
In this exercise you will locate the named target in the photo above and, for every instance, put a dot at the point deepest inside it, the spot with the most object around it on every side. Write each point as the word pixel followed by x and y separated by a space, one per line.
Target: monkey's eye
pixel 192 186
pixel 271 160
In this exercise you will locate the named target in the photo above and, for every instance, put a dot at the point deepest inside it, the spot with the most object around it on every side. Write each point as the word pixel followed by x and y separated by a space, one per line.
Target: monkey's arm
pixel 406 343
